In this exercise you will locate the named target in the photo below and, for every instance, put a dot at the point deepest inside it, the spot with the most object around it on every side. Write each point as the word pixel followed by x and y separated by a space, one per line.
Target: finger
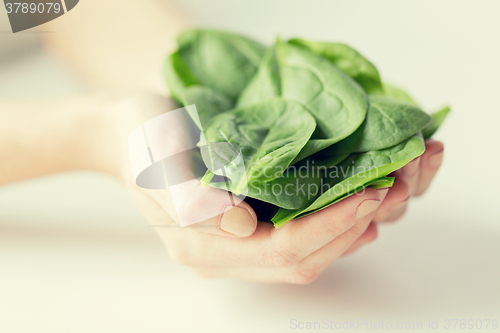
pixel 410 174
pixel 429 165
pixel 397 212
pixel 183 244
pixel 368 236
pixel 291 243
pixel 323 257
pixel 192 248
pixel 397 196
pixel 303 273
pixel 299 238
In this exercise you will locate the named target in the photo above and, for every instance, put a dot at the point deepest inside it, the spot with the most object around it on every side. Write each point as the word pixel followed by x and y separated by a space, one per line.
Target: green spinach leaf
pixel 209 103
pixel 388 122
pixel 178 76
pixel 288 191
pixel 269 135
pixel 266 84
pixel 337 103
pixel 357 170
pixel 295 187
pixel 223 61
pixel 348 60
pixel 398 93
pixel 300 106
pixel 438 118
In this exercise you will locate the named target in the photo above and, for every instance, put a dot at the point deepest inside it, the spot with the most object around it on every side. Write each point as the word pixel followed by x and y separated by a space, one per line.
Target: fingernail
pixel 366 207
pixel 411 167
pixel 383 192
pixel 436 159
pixel 237 221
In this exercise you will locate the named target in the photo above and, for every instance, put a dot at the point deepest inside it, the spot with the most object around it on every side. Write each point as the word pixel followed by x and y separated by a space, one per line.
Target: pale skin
pixel 90 133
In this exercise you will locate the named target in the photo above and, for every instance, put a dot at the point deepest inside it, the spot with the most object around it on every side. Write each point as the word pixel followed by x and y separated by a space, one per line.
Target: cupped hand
pixel 232 243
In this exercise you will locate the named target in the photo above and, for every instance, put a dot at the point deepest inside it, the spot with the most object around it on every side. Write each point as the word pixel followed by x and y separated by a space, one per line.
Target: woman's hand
pixel 92 133
pixel 232 243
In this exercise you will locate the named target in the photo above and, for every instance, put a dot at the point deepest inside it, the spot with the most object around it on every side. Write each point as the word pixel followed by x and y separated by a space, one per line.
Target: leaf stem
pixel 207 178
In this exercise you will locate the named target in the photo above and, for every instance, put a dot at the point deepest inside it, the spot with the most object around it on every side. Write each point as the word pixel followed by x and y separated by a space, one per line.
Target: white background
pixel 76 256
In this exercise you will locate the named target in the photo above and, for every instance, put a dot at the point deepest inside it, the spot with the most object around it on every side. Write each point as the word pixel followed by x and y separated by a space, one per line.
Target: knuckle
pixel 280 257
pixel 370 235
pixel 302 276
pixel 419 192
pixel 182 256
pixel 336 226
pixel 434 146
pixel 402 212
pixel 397 213
pixel 404 190
pixel 333 221
pixel 358 230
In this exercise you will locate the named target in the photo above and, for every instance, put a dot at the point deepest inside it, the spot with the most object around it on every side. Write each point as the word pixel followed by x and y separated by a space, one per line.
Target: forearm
pixel 117 43
pixel 44 137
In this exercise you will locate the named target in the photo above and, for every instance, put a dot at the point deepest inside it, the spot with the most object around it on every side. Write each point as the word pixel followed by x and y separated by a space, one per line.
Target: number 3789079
pixel 24 7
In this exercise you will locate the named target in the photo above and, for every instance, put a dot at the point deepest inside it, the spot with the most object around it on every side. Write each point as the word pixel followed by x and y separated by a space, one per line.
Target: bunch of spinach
pixel 317 114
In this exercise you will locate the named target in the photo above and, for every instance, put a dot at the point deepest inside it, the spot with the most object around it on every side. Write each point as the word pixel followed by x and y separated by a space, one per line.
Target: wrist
pixel 117 115
pixel 101 141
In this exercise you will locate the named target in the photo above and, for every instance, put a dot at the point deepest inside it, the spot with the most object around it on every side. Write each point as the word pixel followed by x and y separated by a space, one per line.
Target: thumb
pixel 206 209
